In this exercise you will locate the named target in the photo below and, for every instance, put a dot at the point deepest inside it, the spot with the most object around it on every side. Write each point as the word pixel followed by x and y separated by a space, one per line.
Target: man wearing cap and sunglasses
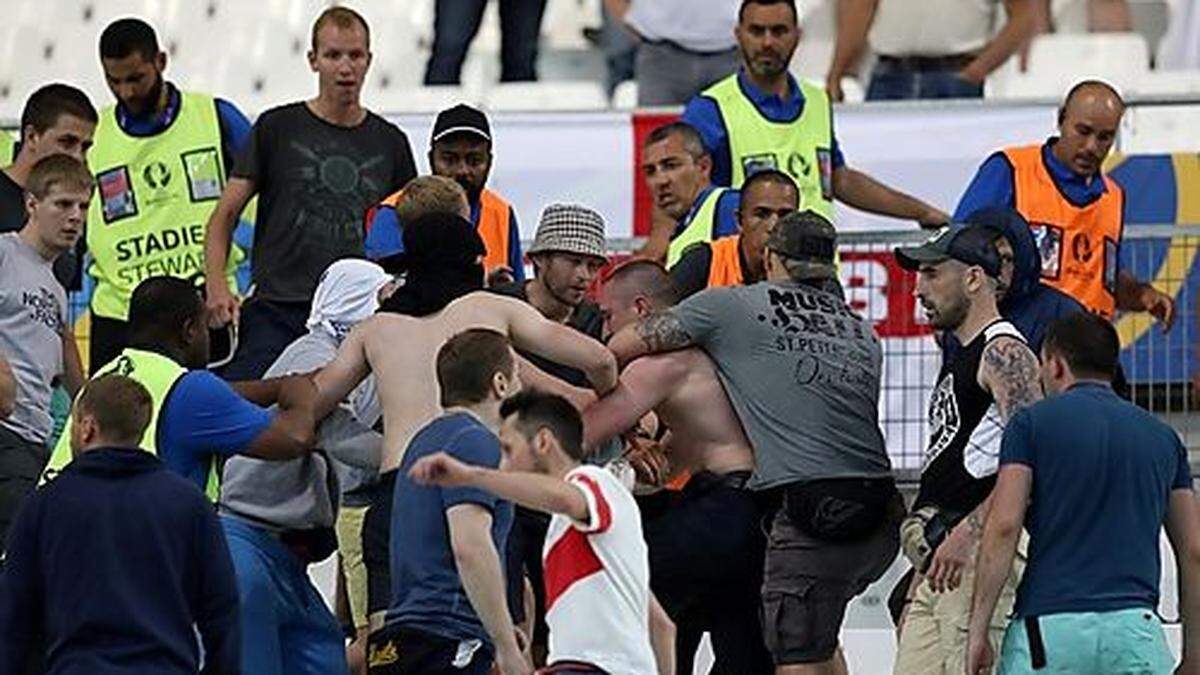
pixel 802 371
pixel 460 148
pixel 979 388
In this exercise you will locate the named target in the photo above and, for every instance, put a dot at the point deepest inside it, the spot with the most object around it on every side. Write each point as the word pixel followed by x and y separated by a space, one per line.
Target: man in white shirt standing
pixel 601 614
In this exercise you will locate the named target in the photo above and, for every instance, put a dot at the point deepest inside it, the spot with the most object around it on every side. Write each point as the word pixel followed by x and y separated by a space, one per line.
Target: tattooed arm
pixel 659 332
pixel 1009 371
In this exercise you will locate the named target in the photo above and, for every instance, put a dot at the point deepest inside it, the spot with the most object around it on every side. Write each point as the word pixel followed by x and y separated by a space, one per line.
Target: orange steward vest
pixel 725 269
pixel 1078 244
pixel 495 219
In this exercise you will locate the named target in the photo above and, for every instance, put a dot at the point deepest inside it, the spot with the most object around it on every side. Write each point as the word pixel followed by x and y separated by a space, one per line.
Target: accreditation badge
pixel 203 169
pixel 116 194
pixel 825 167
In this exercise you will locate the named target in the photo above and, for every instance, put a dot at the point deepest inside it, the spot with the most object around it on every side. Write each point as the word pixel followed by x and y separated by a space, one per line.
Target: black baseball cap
pixel 808 238
pixel 461 118
pixel 967 243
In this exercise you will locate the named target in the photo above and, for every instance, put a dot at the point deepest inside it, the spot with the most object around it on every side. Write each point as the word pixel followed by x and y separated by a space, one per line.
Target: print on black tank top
pixel 964 431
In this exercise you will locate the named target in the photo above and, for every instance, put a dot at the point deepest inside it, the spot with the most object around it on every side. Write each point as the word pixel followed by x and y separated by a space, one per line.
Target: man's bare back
pixel 401 351
pixel 683 389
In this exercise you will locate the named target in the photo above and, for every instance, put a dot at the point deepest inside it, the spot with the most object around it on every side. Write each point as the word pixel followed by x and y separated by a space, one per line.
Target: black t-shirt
pixel 315 181
pixel 12 218
pixel 586 319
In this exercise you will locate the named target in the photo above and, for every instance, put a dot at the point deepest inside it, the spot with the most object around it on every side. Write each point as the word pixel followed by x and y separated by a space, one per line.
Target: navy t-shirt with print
pixel 427 593
pixel 1103 471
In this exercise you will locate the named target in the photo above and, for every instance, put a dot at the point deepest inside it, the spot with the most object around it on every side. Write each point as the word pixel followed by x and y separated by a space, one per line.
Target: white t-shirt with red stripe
pixel 598 580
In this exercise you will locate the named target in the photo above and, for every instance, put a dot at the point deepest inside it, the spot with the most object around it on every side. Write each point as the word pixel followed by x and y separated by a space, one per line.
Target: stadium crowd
pixel 584 471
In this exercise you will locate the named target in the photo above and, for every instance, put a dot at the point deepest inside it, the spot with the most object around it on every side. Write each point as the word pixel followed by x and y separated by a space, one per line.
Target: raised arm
pixel 531 490
pixel 349 368
pixel 659 332
pixel 532 332
pixel 223 307
pixel 1009 370
pixel 536 378
pixel 644 384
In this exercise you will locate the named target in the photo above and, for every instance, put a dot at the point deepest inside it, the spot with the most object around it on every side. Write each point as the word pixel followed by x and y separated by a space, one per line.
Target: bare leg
pixel 834 666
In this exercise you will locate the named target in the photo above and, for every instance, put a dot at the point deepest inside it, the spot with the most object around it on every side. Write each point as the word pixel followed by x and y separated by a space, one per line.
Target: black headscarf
pixel 442 261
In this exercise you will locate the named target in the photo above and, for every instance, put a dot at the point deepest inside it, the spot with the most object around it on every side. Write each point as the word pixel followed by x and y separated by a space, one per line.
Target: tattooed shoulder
pixel 1010 372
pixel 663 331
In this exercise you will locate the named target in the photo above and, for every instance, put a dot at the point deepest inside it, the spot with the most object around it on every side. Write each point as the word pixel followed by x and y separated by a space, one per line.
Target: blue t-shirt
pixel 1103 470
pixel 203 416
pixel 703 114
pixel 725 221
pixel 427 593
pixel 385 237
pixel 993 184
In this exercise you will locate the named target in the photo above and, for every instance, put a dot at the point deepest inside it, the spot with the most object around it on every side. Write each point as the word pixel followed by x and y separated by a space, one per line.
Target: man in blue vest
pixel 762 117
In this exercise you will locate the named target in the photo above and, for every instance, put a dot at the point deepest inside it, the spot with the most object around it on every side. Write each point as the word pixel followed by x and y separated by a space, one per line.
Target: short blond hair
pixel 61 170
pixel 431 194
pixel 342 17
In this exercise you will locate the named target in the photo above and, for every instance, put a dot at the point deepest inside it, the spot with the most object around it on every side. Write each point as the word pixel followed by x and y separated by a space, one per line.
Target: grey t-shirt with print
pixel 33 313
pixel 802 371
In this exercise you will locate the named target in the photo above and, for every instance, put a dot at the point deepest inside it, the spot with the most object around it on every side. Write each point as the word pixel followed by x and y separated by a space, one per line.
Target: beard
pixel 766 70
pixel 474 192
pixel 142 106
pixel 951 315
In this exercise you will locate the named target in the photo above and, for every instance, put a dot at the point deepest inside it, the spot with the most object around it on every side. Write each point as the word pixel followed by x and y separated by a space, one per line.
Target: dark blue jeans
pixel 457 21
pixel 895 82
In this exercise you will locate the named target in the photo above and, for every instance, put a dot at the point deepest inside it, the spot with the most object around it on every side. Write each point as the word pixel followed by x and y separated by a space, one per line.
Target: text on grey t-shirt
pixel 802 371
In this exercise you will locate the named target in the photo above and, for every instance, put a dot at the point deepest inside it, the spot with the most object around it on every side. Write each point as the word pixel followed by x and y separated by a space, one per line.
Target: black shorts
pixel 376 542
pixel 809 582
pixel 396 650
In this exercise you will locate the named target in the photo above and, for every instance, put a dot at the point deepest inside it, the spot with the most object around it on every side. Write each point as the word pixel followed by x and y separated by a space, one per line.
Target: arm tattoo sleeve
pixel 663 332
pixel 1010 372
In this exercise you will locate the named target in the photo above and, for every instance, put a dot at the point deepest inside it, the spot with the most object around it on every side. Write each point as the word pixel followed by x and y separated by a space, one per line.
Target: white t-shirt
pixel 598 580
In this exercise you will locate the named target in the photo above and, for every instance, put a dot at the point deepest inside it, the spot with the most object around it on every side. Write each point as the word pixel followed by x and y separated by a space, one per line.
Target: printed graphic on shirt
pixel 332 185
pixel 44 308
pixel 116 194
pixel 203 169
pixel 1049 245
pixel 831 341
pixel 157 176
pixel 944 418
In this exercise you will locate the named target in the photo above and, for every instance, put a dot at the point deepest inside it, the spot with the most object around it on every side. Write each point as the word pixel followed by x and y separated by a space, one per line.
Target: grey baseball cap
pixel 969 244
pixel 807 238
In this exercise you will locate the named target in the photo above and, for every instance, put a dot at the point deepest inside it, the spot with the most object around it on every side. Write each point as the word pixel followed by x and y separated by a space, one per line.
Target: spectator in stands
pixel 57 119
pixel 423 195
pixel 929 50
pixel 33 319
pixel 199 419
pixel 1103 16
pixel 460 148
pixel 609 621
pixel 979 388
pixel 448 603
pixel 683 45
pixel 812 418
pixel 455 23
pixel 568 252
pixel 1076 212
pixel 738 259
pixel 1180 47
pixel 678 172
pixel 1088 600
pixel 762 117
pixel 160 158
pixel 620 49
pixel 120 565
pixel 279 517
pixel 317 166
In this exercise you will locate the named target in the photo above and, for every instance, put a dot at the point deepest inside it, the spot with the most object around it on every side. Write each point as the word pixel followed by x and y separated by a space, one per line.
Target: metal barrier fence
pixel 1158 366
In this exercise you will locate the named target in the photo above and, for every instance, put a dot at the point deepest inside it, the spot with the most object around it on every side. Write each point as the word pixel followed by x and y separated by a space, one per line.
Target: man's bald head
pixel 1087 123
pixel 632 290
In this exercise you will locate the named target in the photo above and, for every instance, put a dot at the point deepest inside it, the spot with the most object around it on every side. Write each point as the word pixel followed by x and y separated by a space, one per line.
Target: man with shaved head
pixel 1076 212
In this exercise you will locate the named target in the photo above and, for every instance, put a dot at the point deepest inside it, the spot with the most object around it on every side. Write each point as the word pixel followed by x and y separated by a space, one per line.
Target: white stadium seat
pixel 546 96
pixel 417 99
pixel 1057 61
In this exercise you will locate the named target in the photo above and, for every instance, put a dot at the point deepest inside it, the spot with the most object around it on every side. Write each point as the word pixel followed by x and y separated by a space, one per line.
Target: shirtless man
pixel 442 251
pixel 705 545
